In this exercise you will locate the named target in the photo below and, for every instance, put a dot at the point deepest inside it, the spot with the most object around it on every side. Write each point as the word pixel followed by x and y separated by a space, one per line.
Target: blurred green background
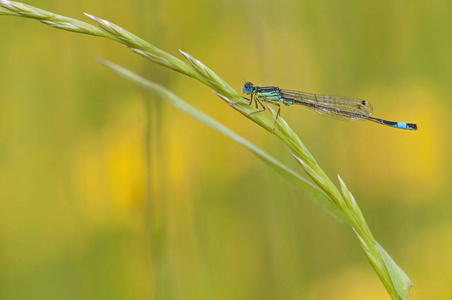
pixel 84 214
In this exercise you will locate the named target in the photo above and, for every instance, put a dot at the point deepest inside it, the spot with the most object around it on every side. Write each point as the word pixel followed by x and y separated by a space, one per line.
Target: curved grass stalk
pixel 396 282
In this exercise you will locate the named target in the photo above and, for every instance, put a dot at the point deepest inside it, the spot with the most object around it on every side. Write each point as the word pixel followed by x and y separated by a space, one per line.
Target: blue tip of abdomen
pixel 404 125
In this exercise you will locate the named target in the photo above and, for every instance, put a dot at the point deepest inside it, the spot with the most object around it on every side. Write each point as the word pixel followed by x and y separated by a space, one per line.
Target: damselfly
pixel 343 108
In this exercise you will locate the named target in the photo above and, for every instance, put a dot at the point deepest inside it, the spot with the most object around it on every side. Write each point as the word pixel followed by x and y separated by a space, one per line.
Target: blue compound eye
pixel 248 88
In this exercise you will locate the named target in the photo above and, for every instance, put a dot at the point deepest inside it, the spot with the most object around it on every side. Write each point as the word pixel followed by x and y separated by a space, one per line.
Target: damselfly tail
pixel 400 125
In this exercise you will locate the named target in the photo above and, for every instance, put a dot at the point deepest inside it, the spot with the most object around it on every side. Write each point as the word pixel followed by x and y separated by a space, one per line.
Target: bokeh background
pixel 110 193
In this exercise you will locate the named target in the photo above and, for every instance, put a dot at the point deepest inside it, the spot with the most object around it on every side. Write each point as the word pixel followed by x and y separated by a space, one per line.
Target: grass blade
pixel 394 279
pixel 311 190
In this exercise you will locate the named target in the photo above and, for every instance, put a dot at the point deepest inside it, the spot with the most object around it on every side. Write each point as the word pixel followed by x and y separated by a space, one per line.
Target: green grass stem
pixel 392 276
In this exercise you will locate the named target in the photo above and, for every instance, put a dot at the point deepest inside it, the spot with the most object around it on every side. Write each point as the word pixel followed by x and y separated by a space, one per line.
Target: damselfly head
pixel 248 88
